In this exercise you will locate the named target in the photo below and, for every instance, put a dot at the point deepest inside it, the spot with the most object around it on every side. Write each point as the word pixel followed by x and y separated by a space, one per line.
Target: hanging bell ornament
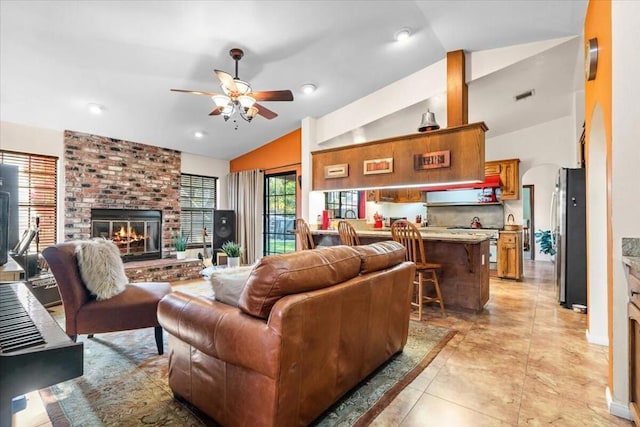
pixel 428 122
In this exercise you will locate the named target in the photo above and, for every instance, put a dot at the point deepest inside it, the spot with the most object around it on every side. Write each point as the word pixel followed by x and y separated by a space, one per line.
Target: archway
pixel 597 230
pixel 543 179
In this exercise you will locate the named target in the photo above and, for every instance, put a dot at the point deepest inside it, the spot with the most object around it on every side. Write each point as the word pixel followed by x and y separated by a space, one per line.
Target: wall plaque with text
pixel 336 171
pixel 433 160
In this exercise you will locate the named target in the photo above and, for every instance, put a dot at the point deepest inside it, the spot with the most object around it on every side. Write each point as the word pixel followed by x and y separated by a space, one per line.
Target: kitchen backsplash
pixel 396 210
pixel 490 216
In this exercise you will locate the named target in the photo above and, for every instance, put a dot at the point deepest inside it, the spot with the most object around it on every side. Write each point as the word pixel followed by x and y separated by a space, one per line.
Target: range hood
pixel 490 181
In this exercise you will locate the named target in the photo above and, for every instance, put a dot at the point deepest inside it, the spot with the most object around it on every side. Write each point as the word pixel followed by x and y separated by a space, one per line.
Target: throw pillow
pixel 101 267
pixel 228 283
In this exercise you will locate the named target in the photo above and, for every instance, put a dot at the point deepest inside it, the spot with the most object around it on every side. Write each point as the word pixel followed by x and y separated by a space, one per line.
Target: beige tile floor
pixel 522 361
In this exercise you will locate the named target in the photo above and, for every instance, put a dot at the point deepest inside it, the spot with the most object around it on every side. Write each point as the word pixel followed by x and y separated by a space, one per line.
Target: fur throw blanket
pixel 101 267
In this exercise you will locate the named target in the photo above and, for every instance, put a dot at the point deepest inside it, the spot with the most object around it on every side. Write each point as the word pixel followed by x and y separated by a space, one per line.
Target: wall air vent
pixel 523 95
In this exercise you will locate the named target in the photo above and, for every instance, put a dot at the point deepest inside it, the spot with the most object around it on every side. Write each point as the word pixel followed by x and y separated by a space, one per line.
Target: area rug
pixel 125 383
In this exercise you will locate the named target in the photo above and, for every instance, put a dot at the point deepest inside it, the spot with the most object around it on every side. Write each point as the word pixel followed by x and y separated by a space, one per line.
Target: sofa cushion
pixel 228 283
pixel 278 275
pixel 380 255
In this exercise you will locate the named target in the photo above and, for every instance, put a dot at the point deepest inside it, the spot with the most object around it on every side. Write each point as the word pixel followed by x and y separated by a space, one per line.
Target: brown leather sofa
pixel 310 325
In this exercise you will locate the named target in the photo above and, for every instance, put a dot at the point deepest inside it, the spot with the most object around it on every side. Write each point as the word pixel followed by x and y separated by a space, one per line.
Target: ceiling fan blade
pixel 226 80
pixel 216 111
pixel 273 95
pixel 265 112
pixel 196 92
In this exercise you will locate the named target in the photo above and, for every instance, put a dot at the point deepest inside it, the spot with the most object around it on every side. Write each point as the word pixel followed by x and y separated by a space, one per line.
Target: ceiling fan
pixel 238 96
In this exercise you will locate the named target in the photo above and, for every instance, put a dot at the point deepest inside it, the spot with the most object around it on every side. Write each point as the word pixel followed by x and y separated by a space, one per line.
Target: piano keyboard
pixel 17 330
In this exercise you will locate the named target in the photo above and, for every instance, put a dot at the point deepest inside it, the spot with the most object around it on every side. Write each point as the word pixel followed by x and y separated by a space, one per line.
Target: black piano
pixel 34 351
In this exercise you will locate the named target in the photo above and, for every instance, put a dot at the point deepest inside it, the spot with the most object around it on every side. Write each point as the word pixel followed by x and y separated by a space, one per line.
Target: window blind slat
pixel 37 193
pixel 197 202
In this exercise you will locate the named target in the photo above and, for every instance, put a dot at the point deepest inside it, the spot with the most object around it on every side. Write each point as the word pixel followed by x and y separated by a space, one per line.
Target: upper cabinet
pixel 509 176
pixel 441 156
pixel 402 195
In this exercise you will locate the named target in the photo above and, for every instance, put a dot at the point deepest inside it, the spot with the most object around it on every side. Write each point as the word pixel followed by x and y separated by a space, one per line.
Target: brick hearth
pixel 163 270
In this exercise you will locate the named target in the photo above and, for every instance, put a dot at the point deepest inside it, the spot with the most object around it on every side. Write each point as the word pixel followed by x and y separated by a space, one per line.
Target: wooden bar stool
pixel 407 234
pixel 304 233
pixel 348 235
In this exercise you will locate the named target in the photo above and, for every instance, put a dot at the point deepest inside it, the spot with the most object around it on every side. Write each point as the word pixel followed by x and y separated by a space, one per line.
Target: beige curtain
pixel 246 197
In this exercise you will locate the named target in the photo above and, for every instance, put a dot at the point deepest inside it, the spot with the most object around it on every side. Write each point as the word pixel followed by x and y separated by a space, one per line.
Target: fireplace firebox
pixel 136 232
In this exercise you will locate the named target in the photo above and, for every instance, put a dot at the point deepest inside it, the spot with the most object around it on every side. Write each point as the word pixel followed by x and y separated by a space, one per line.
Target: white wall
pixel 625 174
pixel 597 297
pixel 28 139
pixel 543 177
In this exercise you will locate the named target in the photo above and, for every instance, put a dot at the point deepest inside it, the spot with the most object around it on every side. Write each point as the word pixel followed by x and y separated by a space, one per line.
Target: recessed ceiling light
pixel 95 108
pixel 308 88
pixel 198 134
pixel 402 34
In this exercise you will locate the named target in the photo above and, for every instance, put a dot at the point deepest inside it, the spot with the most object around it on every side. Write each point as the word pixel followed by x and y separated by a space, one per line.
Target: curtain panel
pixel 246 196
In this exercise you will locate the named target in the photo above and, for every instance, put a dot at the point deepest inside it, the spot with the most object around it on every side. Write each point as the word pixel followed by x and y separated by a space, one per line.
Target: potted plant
pixel 232 250
pixel 543 237
pixel 180 243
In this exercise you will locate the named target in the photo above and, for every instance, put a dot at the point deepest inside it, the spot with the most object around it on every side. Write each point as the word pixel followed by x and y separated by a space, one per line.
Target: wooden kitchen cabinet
pixel 510 255
pixel 633 278
pixel 403 195
pixel 381 196
pixel 509 172
pixel 408 195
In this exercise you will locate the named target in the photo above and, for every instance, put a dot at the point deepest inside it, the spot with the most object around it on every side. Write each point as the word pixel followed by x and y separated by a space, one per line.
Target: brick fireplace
pixel 107 173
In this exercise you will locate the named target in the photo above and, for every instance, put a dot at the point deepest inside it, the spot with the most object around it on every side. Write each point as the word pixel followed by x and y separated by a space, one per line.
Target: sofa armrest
pixel 221 331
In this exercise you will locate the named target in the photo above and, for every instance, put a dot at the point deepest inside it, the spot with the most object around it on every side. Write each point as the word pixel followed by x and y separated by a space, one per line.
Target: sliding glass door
pixel 279 213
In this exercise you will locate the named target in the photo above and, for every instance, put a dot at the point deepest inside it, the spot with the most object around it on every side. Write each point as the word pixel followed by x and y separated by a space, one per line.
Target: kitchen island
pixel 464 255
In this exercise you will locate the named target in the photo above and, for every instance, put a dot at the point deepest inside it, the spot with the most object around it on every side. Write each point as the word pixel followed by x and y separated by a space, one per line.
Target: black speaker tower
pixel 224 228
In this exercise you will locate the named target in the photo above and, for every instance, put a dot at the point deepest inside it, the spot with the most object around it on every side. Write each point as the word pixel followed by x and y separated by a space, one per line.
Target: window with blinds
pixel 197 203
pixel 37 193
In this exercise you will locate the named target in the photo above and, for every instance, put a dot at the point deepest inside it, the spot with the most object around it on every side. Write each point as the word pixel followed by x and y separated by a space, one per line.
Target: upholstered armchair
pixel 133 308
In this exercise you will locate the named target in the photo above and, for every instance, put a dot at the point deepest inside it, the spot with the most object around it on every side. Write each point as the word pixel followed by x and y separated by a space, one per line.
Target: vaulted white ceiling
pixel 58 56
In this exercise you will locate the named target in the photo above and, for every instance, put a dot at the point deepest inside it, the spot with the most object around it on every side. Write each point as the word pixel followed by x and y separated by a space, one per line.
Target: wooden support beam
pixel 457 97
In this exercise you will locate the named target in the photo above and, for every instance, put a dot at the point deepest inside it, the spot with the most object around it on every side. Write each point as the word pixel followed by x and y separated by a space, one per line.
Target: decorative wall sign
pixel 375 166
pixel 336 171
pixel 433 160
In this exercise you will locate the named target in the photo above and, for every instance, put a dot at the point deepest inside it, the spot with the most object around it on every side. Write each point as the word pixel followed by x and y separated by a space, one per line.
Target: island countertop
pixel 463 254
pixel 427 233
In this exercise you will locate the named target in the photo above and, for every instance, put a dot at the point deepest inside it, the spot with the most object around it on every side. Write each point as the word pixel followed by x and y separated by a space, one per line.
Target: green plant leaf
pixel 232 249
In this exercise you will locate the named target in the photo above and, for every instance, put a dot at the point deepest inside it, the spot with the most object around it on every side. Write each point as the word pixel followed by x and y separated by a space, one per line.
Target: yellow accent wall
pixel 280 155
pixel 282 152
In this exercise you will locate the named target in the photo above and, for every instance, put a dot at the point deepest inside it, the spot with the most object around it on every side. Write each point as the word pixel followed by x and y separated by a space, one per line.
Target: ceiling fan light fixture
pixel 250 114
pixel 246 101
pixel 227 111
pixel 238 96
pixel 308 88
pixel 221 100
pixel 198 134
pixel 243 87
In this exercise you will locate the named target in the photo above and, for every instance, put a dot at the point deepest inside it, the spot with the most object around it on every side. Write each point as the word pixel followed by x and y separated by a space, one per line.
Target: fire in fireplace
pixel 137 233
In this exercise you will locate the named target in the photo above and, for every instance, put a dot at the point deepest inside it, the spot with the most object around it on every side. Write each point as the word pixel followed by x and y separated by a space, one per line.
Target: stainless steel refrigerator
pixel 569 232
